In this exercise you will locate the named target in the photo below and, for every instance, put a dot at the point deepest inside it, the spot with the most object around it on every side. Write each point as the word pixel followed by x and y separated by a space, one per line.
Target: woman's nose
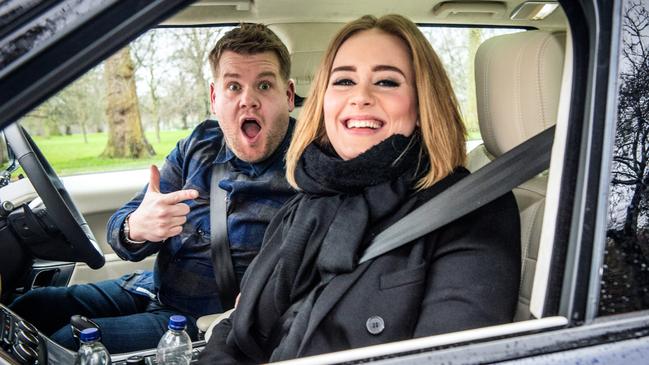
pixel 362 96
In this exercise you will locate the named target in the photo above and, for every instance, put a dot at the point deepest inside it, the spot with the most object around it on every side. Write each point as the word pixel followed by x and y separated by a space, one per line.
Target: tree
pixel 471 107
pixel 456 48
pixel 191 56
pixel 625 279
pixel 75 108
pixel 631 160
pixel 125 133
pixel 144 53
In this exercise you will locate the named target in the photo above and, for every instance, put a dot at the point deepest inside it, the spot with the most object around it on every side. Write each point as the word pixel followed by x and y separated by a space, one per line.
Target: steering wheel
pixel 79 244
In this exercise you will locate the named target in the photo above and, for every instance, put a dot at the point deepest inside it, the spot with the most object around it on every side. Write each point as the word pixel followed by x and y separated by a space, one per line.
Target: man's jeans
pixel 128 322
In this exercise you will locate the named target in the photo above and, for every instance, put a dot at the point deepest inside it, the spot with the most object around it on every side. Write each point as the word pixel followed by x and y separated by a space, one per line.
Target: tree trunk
pixel 185 125
pixel 155 101
pixel 125 133
pixel 84 131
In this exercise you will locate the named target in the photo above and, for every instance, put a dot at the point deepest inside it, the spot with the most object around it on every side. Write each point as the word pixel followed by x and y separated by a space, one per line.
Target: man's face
pixel 252 103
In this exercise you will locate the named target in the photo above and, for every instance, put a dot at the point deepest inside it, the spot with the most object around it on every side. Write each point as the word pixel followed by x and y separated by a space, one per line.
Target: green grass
pixel 70 155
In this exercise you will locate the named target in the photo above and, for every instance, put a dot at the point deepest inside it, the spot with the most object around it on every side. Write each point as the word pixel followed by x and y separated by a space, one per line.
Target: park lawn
pixel 70 155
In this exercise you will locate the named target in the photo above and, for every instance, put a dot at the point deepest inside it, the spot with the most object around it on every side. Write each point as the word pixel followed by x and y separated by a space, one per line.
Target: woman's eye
pixel 387 83
pixel 264 85
pixel 234 87
pixel 343 82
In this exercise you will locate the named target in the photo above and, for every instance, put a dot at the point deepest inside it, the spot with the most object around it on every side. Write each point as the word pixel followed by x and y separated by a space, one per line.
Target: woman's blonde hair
pixel 442 130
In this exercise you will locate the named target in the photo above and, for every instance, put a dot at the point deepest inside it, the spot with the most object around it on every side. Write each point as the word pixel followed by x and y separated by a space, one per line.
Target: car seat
pixel 518 80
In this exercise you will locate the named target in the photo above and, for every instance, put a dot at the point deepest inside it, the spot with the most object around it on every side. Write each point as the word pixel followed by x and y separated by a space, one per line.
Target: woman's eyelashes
pixel 382 82
pixel 388 83
pixel 343 82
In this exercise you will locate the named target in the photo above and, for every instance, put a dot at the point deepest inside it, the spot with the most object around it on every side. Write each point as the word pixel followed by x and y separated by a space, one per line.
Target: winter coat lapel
pixel 330 295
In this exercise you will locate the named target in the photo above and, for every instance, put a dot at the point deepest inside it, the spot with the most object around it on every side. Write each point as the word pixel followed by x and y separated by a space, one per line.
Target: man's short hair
pixel 249 39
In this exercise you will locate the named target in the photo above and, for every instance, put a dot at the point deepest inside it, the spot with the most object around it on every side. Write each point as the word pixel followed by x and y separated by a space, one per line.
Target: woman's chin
pixel 353 151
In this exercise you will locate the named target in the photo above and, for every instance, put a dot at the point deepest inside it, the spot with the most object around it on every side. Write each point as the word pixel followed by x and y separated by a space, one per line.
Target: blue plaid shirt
pixel 183 276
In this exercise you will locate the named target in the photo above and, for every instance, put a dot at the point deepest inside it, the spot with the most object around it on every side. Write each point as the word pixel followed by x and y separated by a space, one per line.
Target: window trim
pixel 32 78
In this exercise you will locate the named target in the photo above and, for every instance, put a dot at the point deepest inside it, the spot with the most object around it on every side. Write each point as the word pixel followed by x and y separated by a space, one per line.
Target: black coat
pixel 464 275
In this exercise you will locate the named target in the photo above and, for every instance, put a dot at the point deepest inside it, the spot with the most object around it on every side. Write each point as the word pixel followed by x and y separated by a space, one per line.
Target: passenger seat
pixel 518 79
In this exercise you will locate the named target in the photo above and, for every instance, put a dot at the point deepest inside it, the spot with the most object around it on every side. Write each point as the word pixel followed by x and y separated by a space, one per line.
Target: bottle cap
pixel 177 322
pixel 89 334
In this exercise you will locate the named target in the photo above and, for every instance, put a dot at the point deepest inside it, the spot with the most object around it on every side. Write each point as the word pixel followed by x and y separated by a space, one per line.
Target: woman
pixel 380 135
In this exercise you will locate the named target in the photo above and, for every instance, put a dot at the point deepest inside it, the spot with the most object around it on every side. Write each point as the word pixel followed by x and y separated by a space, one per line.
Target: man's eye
pixel 234 87
pixel 343 82
pixel 387 83
pixel 264 85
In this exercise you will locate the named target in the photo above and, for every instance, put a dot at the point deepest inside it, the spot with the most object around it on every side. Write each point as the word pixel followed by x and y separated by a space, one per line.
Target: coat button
pixel 375 325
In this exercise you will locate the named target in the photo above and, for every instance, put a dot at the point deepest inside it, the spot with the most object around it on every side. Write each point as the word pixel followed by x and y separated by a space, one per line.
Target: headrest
pixel 518 79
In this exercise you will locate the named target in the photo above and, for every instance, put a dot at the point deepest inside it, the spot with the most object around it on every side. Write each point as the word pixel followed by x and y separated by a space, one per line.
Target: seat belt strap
pixel 226 280
pixel 484 186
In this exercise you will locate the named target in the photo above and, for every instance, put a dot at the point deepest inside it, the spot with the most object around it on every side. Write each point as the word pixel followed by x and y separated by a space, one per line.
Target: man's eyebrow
pixel 388 68
pixel 231 75
pixel 267 74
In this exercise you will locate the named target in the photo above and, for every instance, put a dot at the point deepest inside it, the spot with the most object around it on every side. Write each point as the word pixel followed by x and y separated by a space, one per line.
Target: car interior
pixel 522 87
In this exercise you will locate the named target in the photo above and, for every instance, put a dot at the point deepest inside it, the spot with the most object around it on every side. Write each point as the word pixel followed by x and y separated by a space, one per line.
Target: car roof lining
pixel 419 11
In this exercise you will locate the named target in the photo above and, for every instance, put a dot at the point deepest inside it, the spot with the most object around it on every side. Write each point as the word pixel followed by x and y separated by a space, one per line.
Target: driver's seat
pixel 518 80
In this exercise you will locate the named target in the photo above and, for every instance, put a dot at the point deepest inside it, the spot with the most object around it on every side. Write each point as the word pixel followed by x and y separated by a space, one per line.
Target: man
pixel 251 96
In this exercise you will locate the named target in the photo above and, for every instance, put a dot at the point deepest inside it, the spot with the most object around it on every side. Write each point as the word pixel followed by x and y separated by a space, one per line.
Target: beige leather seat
pixel 518 79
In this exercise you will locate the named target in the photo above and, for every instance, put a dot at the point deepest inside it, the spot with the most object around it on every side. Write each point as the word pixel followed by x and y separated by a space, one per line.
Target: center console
pixel 22 344
pixel 147 357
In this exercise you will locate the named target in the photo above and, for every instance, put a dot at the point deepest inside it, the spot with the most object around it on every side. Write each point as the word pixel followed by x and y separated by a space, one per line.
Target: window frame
pixel 574 277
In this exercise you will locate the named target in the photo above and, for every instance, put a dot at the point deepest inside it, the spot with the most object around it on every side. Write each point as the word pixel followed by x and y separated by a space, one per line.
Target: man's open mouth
pixel 251 128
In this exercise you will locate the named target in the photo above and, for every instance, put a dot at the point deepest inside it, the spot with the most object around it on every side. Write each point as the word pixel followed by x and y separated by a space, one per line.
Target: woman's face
pixel 371 94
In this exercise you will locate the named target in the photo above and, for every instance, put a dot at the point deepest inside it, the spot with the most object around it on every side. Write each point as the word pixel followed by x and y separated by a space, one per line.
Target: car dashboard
pixel 22 344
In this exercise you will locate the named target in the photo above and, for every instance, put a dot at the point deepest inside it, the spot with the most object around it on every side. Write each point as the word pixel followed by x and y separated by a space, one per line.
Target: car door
pixel 569 294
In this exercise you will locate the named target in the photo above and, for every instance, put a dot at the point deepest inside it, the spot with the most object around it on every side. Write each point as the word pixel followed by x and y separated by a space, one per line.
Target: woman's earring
pixel 417 124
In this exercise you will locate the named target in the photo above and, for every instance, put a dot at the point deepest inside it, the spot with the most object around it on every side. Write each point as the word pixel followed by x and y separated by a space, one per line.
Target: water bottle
pixel 175 346
pixel 92 352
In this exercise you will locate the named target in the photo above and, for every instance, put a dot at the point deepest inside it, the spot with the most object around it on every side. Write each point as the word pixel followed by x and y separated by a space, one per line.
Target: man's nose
pixel 249 99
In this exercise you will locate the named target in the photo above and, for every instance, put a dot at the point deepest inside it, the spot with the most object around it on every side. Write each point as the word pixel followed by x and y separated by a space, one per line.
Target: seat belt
pixel 485 185
pixel 226 280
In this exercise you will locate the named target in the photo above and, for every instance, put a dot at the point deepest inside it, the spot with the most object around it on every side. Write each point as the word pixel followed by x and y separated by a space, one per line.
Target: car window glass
pixel 99 124
pixel 87 127
pixel 456 47
pixel 625 282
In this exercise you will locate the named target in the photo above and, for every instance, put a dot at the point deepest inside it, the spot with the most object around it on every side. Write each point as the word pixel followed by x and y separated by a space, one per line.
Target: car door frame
pixel 573 281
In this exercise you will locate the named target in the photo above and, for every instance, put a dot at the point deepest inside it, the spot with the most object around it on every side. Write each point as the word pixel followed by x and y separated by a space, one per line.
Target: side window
pixel 131 110
pixel 456 47
pixel 625 281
